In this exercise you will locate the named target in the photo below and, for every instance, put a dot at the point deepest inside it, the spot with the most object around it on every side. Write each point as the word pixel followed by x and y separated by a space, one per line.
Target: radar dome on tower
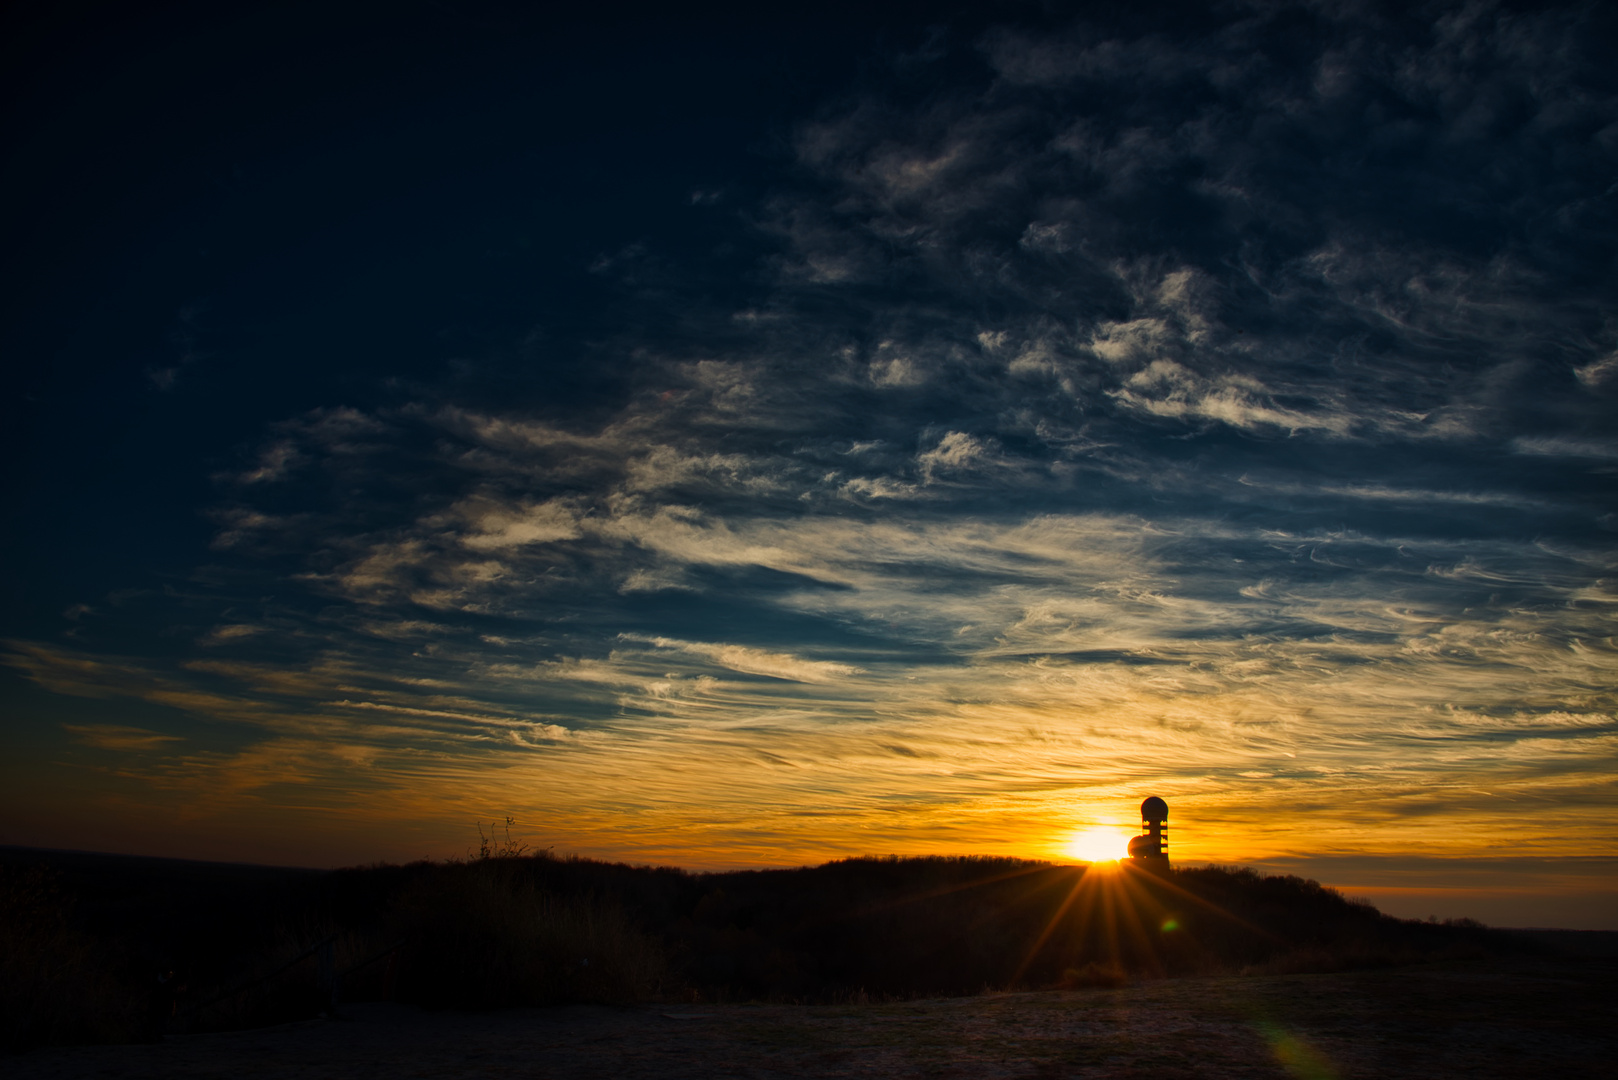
pixel 1152 848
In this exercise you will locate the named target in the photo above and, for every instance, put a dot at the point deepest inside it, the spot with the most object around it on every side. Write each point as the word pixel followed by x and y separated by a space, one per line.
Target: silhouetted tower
pixel 1152 850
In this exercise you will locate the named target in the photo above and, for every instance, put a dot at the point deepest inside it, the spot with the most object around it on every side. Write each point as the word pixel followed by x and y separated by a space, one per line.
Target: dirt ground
pixel 1524 1019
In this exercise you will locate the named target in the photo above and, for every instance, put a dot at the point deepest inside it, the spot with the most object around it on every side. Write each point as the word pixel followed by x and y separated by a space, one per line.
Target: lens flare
pixel 1099 845
pixel 1297 1056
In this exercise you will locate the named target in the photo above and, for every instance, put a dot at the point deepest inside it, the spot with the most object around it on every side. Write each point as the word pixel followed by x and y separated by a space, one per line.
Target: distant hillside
pixel 142 946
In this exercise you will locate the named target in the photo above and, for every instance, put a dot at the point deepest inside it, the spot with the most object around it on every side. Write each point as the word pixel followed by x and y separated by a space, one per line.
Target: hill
pixel 110 948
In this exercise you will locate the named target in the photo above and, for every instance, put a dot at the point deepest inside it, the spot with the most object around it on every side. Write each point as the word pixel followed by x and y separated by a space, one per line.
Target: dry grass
pixel 481 935
pixel 1093 976
pixel 56 986
pixel 282 982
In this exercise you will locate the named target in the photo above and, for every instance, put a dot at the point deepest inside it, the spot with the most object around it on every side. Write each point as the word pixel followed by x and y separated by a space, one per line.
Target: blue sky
pixel 753 441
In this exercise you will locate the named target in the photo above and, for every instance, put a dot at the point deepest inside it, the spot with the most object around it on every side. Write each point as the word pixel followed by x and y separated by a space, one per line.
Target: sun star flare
pixel 1101 844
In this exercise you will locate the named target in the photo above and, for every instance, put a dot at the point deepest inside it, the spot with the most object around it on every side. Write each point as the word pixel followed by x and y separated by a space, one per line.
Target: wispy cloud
pixel 118 737
pixel 758 662
pixel 1555 446
pixel 1222 412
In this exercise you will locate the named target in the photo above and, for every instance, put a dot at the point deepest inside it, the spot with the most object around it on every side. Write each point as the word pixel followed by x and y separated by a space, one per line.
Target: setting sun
pixel 1098 845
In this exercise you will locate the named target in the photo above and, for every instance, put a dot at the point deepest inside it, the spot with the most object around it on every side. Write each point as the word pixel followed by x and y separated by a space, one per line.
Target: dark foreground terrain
pixel 512 964
pixel 1544 1017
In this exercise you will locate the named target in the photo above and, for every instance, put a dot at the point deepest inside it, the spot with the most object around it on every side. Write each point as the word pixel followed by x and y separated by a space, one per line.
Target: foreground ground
pixel 1475 1019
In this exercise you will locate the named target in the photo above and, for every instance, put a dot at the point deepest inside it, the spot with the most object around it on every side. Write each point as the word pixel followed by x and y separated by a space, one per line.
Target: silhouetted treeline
pixel 100 948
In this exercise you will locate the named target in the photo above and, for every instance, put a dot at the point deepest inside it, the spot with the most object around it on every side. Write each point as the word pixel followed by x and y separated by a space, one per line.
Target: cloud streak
pixel 1223 411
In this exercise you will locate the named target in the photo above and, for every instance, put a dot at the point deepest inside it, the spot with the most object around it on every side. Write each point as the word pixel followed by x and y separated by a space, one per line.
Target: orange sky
pixel 755 442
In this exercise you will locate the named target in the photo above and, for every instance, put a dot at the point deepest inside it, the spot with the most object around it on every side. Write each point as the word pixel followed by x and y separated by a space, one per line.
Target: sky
pixel 727 439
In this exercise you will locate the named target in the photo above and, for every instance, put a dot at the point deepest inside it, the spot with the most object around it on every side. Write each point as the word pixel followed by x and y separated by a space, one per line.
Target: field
pixel 1517 1018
